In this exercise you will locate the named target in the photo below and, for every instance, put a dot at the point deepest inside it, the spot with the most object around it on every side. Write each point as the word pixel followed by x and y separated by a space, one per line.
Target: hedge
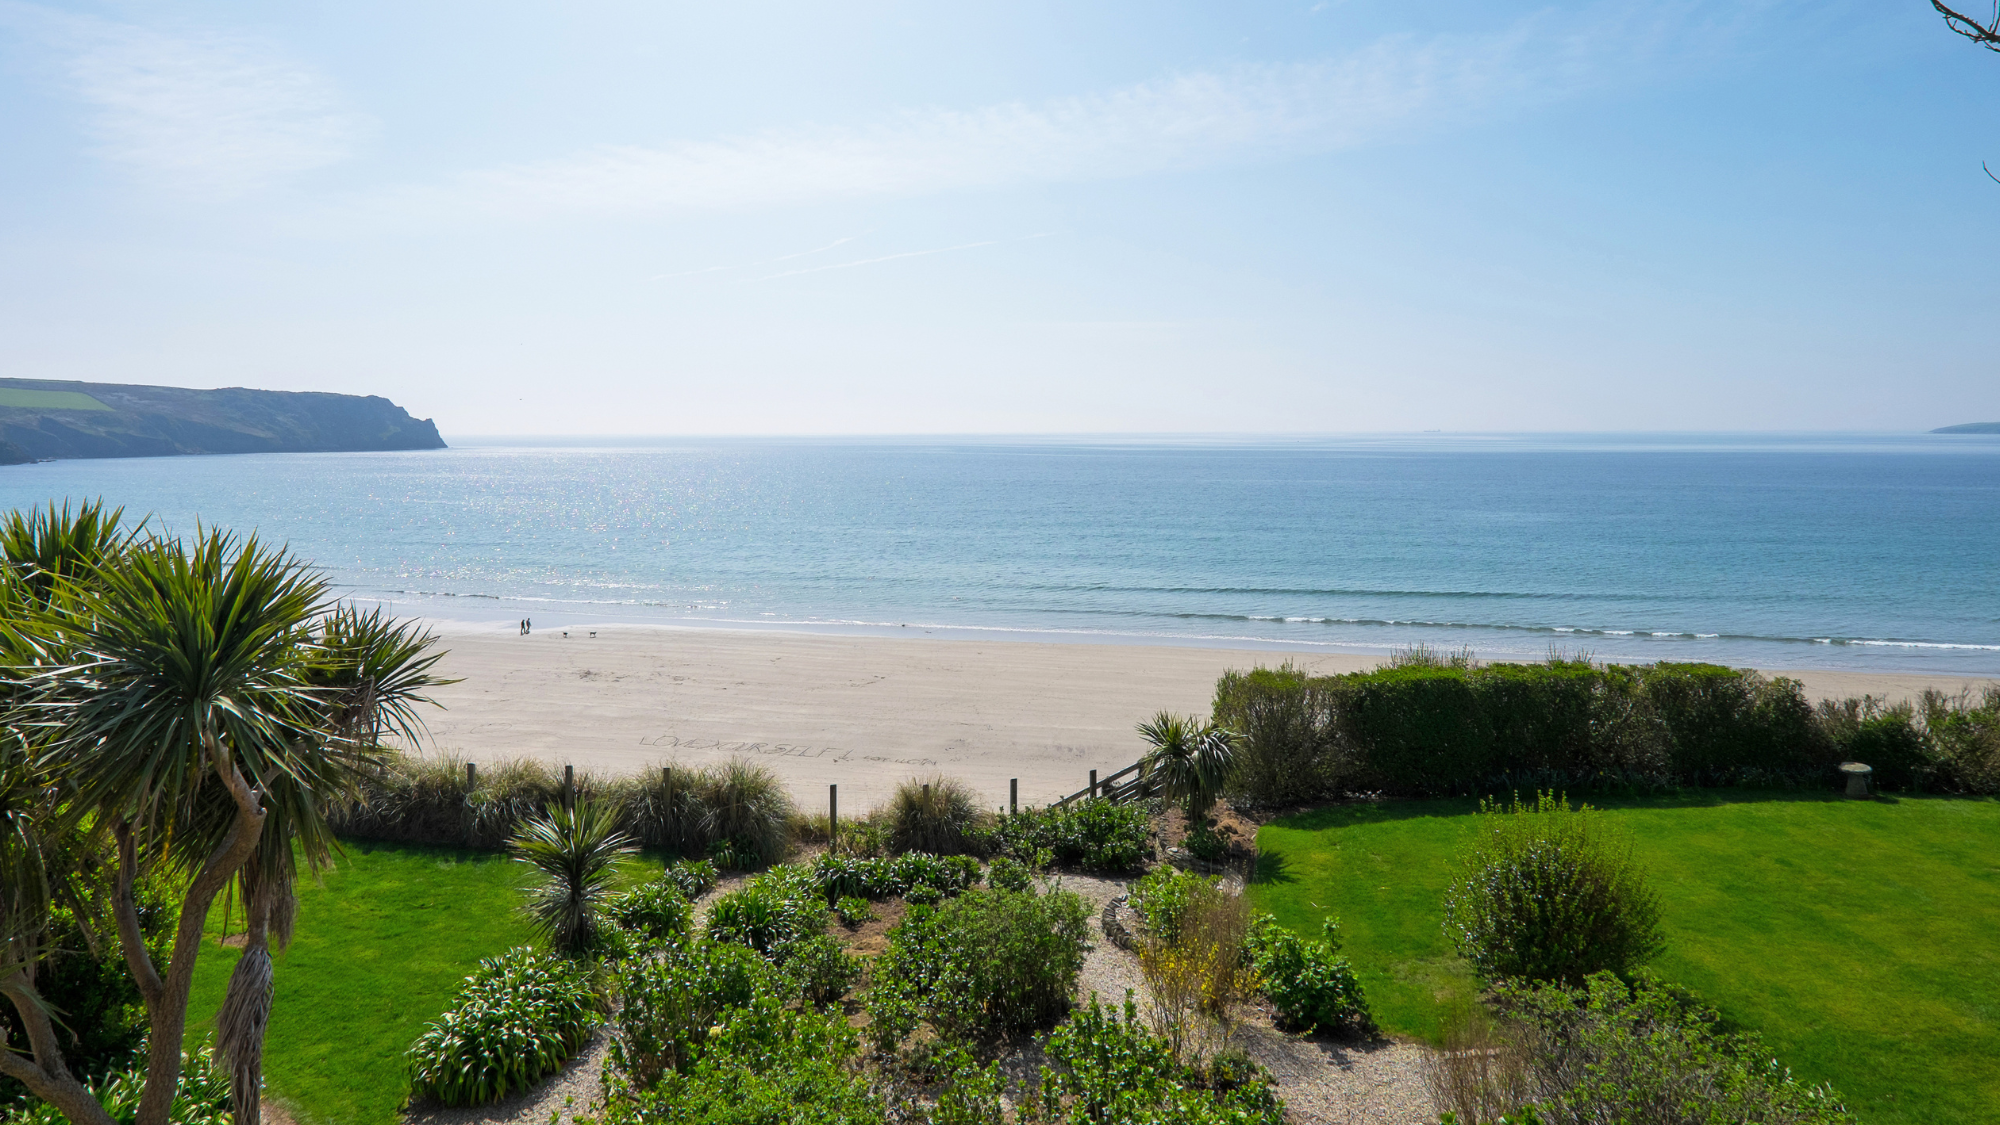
pixel 1439 729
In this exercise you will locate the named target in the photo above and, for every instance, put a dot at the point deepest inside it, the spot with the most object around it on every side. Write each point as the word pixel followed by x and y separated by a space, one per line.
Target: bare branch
pixel 1985 34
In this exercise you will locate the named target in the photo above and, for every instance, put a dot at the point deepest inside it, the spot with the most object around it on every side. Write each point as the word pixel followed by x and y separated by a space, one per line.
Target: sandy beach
pixel 860 712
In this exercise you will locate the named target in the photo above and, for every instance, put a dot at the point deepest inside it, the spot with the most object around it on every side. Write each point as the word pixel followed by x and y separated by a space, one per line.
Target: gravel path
pixel 1323 1082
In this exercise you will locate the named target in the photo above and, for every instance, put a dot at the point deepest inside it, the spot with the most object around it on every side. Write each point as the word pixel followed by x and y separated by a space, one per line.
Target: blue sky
pixel 1347 215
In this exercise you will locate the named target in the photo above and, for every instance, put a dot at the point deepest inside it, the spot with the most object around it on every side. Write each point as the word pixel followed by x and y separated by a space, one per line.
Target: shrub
pixel 936 814
pixel 880 878
pixel 1207 844
pixel 658 911
pixel 1111 1072
pixel 1965 740
pixel 1163 897
pixel 770 913
pixel 1312 987
pixel 1009 875
pixel 1547 892
pixel 1198 977
pixel 762 1063
pixel 1289 752
pixel 948 874
pixel 853 911
pixel 984 962
pixel 520 1017
pixel 669 1002
pixel 867 838
pixel 1606 1052
pixel 203 1097
pixel 1095 835
pixel 819 970
pixel 694 877
pixel 574 848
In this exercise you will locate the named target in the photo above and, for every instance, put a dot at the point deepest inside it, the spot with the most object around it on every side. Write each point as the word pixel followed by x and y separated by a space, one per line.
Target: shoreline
pixel 863 712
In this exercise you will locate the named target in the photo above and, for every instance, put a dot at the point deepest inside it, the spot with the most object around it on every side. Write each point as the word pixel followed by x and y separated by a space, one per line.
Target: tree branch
pixel 169 1018
pixel 1985 34
pixel 46 1077
pixel 126 909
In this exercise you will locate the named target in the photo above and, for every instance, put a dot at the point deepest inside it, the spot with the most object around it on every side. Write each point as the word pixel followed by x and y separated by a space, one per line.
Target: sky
pixel 658 217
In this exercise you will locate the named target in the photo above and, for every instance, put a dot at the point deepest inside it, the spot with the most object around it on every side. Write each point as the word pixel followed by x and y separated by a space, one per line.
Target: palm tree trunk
pixel 246 1007
pixel 246 1011
pixel 167 1014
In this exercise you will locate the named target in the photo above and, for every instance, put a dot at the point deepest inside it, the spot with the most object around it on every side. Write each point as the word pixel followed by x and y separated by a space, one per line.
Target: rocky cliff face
pixel 42 419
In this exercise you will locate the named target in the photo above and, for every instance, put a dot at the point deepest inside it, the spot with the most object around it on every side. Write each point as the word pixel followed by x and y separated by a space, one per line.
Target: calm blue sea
pixel 1843 551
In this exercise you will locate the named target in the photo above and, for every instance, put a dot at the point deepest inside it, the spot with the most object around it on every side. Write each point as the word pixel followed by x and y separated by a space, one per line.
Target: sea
pixel 1864 552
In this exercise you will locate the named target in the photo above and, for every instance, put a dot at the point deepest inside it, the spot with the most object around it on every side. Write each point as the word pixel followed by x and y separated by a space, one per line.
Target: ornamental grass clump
pixel 1547 892
pixel 934 814
pixel 744 808
pixel 518 1019
pixel 575 849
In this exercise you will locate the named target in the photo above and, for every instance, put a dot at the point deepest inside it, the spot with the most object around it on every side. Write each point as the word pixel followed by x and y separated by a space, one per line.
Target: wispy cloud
pixel 835 244
pixel 208 115
pixel 893 257
pixel 1385 90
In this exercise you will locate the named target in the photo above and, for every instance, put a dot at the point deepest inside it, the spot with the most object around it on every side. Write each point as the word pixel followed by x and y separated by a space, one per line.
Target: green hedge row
pixel 1448 728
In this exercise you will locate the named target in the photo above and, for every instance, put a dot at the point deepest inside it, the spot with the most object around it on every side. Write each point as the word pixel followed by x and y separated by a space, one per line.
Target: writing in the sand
pixel 778 750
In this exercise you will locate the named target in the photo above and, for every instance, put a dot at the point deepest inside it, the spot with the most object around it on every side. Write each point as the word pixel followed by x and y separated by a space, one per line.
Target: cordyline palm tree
pixel 574 847
pixel 202 704
pixel 1190 760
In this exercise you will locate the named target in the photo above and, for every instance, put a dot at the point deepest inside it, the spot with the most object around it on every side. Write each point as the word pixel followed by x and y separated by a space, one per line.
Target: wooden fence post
pixel 569 786
pixel 832 815
pixel 1013 795
pixel 471 776
pixel 1093 785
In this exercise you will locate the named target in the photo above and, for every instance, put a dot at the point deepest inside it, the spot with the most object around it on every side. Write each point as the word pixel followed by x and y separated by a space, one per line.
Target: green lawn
pixel 27 399
pixel 1862 939
pixel 381 946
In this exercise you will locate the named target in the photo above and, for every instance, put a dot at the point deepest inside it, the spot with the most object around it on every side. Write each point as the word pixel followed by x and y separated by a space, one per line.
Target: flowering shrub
pixel 520 1017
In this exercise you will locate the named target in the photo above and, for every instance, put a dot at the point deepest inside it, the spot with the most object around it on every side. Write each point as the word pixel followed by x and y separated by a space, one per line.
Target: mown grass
pixel 382 943
pixel 1860 938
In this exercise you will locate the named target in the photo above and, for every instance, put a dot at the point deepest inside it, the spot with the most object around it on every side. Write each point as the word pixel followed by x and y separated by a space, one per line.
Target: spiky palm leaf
pixel 209 692
pixel 1190 760
pixel 575 848
pixel 52 549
